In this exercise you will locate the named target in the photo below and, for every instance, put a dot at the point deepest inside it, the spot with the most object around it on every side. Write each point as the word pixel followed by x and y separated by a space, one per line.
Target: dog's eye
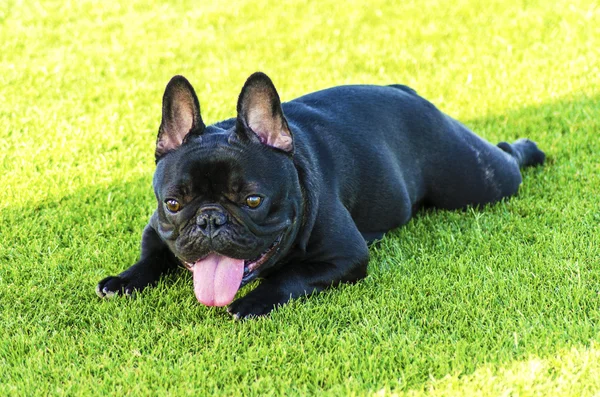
pixel 172 205
pixel 253 201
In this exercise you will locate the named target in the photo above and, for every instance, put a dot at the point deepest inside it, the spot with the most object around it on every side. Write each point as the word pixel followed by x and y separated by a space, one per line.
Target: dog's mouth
pixel 250 266
pixel 217 278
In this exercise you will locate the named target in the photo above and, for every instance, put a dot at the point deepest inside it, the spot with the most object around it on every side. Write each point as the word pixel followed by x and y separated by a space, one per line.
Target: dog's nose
pixel 210 220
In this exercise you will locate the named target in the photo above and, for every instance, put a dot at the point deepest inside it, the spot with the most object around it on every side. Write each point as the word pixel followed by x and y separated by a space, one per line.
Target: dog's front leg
pixel 156 259
pixel 293 281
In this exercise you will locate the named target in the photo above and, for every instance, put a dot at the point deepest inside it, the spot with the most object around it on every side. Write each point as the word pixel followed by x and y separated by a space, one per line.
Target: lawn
pixel 502 300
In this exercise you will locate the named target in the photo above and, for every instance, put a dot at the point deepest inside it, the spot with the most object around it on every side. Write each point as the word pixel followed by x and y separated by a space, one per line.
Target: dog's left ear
pixel 260 114
pixel 180 116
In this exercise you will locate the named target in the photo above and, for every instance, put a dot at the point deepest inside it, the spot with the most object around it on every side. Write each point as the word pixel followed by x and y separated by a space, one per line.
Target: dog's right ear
pixel 180 116
pixel 260 114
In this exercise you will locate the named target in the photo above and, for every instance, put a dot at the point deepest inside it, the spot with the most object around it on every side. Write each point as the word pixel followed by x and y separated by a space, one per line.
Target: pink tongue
pixel 217 279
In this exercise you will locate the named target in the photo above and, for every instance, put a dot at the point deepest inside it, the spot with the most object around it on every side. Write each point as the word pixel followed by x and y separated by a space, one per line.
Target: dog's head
pixel 229 196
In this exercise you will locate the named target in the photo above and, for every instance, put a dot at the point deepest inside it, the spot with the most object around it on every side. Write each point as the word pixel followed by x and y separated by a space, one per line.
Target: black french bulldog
pixel 292 193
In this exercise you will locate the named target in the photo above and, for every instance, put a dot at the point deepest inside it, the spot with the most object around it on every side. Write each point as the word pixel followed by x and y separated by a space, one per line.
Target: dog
pixel 293 193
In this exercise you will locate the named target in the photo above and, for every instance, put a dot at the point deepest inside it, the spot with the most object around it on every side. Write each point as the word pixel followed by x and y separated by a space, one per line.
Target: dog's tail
pixel 524 151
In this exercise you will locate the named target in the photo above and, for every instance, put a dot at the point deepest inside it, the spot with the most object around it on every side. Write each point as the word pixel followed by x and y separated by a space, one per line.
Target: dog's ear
pixel 180 116
pixel 260 114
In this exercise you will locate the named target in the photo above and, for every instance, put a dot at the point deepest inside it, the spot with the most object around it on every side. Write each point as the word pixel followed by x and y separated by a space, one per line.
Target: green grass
pixel 498 301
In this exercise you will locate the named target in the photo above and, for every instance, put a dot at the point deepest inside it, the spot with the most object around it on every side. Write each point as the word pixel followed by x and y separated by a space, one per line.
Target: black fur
pixel 336 169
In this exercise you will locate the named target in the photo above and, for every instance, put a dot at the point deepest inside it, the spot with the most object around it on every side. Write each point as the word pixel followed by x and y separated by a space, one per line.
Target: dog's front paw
pixel 114 285
pixel 257 303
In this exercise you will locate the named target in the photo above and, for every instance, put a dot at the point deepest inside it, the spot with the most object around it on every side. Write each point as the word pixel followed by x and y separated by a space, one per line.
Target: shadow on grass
pixel 443 307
